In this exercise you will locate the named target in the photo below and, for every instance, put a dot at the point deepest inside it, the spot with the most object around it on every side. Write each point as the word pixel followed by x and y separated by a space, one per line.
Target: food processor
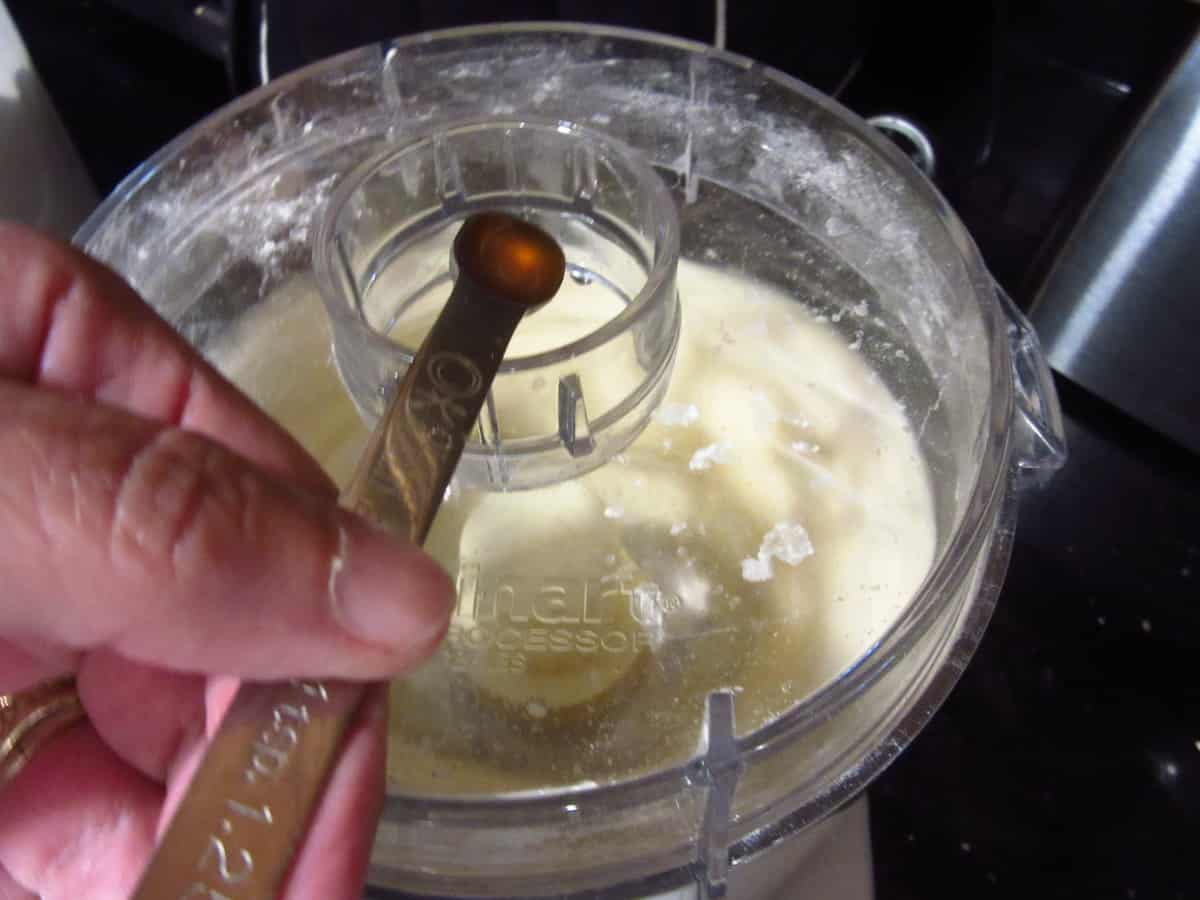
pixel 739 503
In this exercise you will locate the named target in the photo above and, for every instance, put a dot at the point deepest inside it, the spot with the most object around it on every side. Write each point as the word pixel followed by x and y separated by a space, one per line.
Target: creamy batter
pixel 759 536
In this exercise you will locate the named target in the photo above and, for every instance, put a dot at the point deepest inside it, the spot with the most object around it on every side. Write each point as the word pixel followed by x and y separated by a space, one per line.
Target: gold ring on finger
pixel 29 718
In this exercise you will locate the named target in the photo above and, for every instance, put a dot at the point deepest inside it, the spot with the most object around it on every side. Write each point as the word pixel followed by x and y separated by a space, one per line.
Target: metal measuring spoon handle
pixel 247 807
pixel 506 267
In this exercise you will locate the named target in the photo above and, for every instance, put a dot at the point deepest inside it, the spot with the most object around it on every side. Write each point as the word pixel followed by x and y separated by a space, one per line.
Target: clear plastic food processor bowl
pixel 738 509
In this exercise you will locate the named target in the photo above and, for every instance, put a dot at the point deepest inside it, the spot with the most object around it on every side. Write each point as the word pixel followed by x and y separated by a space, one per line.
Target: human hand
pixel 161 538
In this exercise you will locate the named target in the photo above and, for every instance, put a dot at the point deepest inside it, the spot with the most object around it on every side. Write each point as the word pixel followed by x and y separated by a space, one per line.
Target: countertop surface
pixel 1066 763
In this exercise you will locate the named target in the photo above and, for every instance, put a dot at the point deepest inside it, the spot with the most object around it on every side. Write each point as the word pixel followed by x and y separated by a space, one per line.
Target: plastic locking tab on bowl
pixel 584 373
pixel 1041 440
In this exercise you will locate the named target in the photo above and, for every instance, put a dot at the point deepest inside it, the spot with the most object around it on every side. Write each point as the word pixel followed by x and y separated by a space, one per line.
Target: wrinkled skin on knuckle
pixel 61 468
pixel 183 506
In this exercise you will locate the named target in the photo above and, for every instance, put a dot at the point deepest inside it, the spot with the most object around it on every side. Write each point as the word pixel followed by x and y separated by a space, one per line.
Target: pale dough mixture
pixel 759 536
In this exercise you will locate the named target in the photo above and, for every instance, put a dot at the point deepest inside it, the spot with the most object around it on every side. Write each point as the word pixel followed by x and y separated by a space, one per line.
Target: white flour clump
pixel 707 457
pixel 677 414
pixel 757 570
pixel 787 542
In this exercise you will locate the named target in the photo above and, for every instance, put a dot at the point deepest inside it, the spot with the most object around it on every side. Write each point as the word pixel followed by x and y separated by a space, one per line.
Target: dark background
pixel 1067 761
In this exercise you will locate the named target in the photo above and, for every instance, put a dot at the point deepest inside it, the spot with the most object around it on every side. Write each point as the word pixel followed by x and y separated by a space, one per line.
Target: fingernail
pixel 388 593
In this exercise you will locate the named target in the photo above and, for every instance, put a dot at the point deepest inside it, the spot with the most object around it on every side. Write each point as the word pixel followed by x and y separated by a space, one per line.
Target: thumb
pixel 169 549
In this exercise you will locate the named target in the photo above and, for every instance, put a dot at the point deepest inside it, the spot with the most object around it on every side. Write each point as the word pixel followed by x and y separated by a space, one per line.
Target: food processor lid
pixel 225 216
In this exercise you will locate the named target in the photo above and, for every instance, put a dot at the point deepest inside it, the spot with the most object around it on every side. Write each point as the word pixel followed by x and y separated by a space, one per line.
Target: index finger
pixel 71 324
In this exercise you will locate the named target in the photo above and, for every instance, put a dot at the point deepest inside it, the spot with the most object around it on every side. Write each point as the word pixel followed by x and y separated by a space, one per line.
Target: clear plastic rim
pixel 987 490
